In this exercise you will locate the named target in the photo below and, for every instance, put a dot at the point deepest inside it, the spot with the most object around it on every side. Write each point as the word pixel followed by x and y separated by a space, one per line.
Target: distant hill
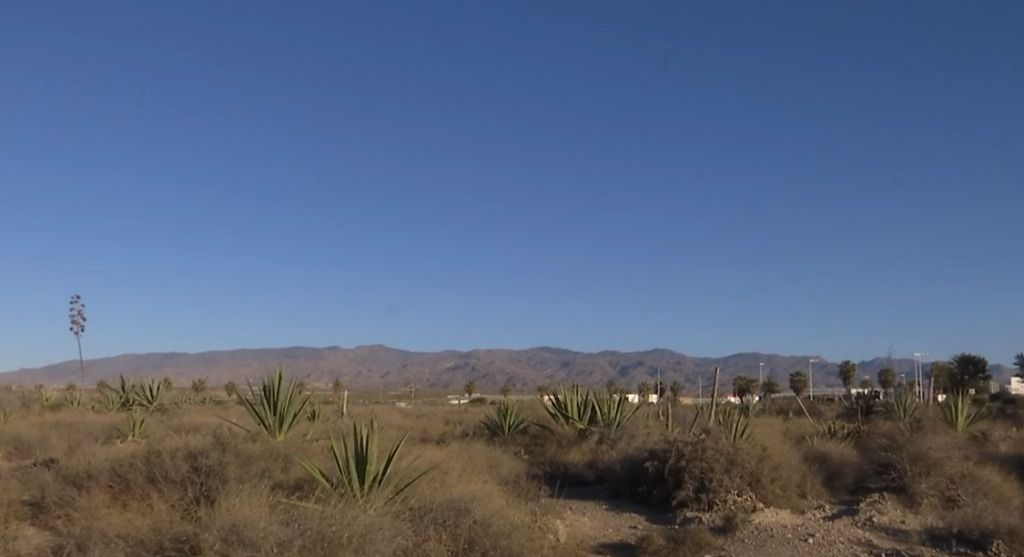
pixel 372 367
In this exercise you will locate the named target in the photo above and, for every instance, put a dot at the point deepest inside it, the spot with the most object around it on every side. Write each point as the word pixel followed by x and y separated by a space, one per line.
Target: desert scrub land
pixel 146 469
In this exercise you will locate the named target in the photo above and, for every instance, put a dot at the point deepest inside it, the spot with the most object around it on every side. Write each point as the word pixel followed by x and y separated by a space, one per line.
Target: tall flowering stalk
pixel 76 316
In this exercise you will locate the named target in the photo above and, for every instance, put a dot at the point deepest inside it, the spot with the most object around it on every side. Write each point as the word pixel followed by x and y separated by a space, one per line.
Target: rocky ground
pixel 875 526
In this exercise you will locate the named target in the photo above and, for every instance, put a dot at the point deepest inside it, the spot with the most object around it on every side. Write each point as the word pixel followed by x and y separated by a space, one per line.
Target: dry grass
pixel 201 486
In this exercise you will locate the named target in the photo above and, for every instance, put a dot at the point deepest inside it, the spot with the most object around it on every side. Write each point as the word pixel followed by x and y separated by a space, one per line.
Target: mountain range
pixel 377 366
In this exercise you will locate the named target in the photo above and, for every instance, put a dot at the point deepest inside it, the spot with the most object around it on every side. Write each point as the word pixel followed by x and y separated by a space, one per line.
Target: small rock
pixel 561 532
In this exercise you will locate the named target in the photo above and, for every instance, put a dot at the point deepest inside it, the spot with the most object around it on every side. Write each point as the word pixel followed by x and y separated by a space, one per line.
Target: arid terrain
pixel 146 469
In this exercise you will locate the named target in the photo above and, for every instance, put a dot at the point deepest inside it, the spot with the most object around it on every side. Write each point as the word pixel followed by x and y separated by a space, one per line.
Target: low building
pixel 1016 386
pixel 635 398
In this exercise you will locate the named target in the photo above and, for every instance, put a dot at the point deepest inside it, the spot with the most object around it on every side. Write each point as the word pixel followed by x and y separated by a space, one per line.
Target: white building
pixel 1016 386
pixel 635 398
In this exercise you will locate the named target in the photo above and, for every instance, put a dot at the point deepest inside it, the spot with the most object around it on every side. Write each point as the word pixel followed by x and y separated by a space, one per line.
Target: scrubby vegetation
pixel 141 469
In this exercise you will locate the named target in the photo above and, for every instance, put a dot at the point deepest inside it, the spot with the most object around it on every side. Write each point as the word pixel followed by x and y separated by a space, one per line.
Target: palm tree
pixel 798 382
pixel 770 387
pixel 887 379
pixel 644 390
pixel 675 390
pixel 847 372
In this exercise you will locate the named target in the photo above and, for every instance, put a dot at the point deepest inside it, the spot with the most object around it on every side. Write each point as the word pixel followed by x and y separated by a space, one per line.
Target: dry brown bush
pixel 707 474
pixel 200 486
pixel 687 540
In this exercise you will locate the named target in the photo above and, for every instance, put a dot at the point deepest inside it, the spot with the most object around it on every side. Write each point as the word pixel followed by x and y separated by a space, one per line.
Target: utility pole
pixel 810 375
pixel 760 372
pixel 919 373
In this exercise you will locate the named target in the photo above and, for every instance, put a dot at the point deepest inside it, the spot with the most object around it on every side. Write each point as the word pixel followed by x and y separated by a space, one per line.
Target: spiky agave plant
pixel 124 393
pixel 45 395
pixel 108 401
pixel 733 423
pixel 73 398
pixel 570 409
pixel 150 394
pixel 277 406
pixel 958 414
pixel 506 420
pixel 903 407
pixel 315 413
pixel 134 428
pixel 611 412
pixel 314 416
pixel 358 471
pixel 836 431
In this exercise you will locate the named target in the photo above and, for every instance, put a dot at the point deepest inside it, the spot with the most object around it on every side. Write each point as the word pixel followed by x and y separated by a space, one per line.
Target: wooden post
pixel 714 396
pixel 344 404
pixel 669 415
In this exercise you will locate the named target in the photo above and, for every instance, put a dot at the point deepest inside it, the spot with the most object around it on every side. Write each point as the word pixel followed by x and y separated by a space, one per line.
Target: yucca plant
pixel 314 416
pixel 612 412
pixel 506 421
pixel 570 409
pixel 733 423
pixel 124 393
pixel 358 471
pixel 315 413
pixel 150 394
pixel 198 387
pixel 277 406
pixel 840 432
pixel 958 414
pixel 903 407
pixel 45 395
pixel 108 401
pixel 73 398
pixel 134 428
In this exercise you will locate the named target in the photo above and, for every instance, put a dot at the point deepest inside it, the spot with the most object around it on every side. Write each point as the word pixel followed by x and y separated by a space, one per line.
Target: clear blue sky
pixel 838 178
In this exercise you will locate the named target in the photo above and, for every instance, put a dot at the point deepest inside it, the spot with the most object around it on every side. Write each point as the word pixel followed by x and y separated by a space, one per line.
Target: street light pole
pixel 760 372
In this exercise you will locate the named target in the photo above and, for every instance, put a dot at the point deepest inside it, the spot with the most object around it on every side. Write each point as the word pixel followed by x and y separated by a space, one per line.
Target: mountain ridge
pixel 380 366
